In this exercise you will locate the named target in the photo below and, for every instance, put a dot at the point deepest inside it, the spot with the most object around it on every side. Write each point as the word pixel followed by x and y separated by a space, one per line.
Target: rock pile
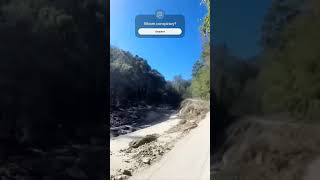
pixel 191 113
pixel 146 154
pixel 194 109
pixel 123 174
pixel 143 154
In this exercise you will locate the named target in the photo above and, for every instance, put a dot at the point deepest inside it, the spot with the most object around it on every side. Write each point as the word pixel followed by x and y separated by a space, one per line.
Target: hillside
pixel 267 148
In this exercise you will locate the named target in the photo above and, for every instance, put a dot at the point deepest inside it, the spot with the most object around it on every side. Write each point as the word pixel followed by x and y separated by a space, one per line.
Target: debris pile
pixel 194 109
pixel 148 153
pixel 142 152
pixel 144 140
pixel 191 113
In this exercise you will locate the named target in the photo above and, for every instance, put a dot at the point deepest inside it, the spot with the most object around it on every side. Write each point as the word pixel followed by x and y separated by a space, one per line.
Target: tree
pixel 279 15
pixel 196 67
pixel 51 54
pixel 181 86
pixel 132 79
pixel 206 23
pixel 200 84
pixel 291 75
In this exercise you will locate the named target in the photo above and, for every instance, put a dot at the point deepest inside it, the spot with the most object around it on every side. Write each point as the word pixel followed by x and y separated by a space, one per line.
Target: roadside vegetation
pixel 266 103
pixel 200 86
pixel 53 90
pixel 284 77
pixel 51 69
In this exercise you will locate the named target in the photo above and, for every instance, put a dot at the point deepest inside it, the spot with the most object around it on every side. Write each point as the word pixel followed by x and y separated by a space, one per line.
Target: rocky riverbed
pixel 125 120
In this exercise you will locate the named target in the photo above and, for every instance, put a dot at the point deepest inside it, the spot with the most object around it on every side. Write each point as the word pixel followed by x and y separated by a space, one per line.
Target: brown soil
pixel 261 149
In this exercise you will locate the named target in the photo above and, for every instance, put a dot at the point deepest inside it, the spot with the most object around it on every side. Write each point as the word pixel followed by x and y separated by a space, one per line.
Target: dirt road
pixel 118 159
pixel 188 160
pixel 312 172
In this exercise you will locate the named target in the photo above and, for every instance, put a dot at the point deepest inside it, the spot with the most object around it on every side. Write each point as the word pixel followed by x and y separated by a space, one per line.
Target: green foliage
pixel 279 15
pixel 206 22
pixel 201 83
pixel 285 77
pixel 51 67
pixel 181 86
pixel 292 76
pixel 171 95
pixel 196 67
pixel 132 80
pixel 234 81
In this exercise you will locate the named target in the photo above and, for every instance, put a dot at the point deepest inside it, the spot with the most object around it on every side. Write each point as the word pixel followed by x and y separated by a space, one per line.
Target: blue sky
pixel 238 24
pixel 170 56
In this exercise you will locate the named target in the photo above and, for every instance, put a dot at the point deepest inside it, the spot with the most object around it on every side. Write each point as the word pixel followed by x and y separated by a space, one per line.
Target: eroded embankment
pixel 261 148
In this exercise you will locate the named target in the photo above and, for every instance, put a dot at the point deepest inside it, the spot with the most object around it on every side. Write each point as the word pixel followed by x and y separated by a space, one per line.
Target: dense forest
pixel 269 105
pixel 133 80
pixel 53 89
pixel 284 77
pixel 291 67
pixel 52 74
